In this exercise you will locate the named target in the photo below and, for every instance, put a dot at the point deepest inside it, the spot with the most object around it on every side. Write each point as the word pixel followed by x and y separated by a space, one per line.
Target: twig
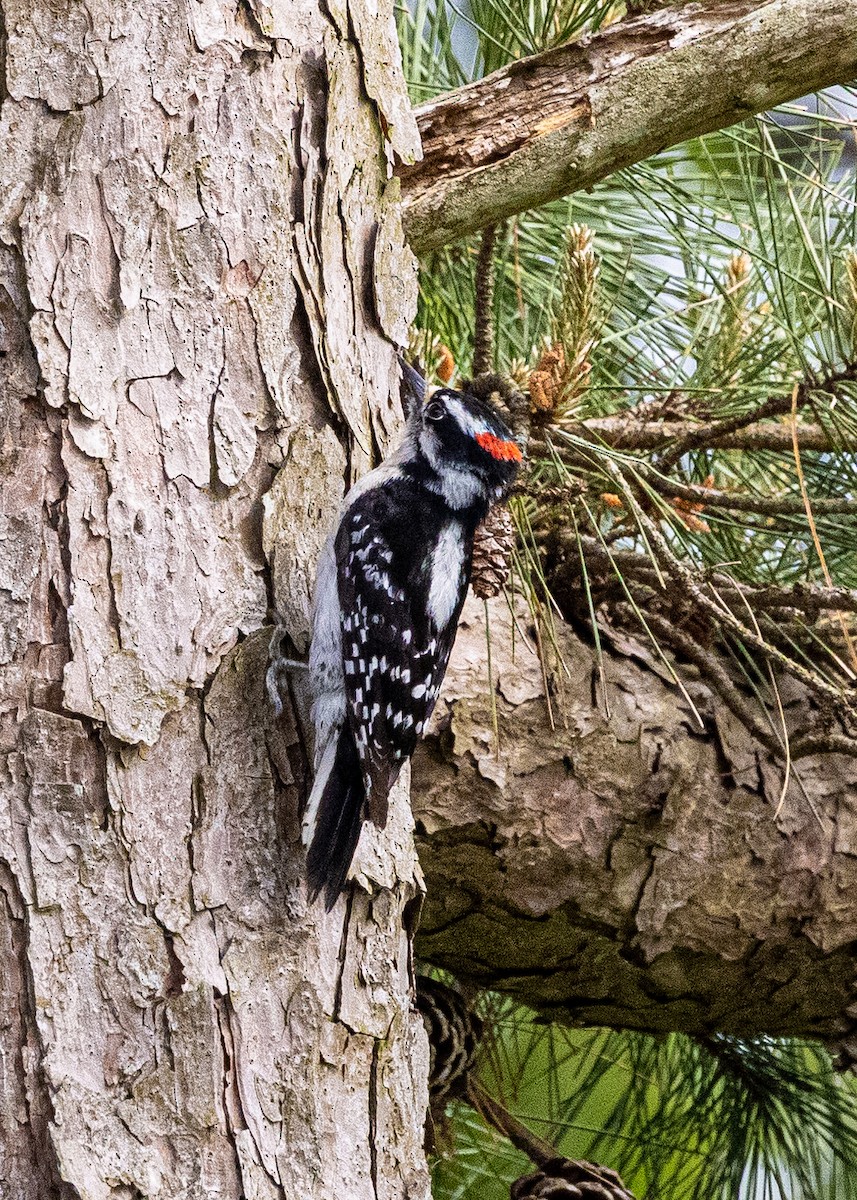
pixel 773 407
pixel 824 743
pixel 499 1118
pixel 808 598
pixel 483 336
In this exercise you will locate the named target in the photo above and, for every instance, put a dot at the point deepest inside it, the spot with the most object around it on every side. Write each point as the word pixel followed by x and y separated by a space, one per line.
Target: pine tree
pixel 685 334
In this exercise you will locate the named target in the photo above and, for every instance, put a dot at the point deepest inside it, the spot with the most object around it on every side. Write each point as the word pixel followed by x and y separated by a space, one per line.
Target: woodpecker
pixel 391 581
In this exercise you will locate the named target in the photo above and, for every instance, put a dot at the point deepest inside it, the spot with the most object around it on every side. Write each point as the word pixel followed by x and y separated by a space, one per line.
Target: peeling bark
pixel 196 307
pixel 560 121
pixel 634 870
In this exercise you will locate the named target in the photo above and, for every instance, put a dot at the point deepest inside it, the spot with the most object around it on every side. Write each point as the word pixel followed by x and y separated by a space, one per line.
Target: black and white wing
pixel 400 594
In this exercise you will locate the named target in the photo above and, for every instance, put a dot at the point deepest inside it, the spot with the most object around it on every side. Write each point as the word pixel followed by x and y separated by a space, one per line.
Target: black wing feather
pixel 337 828
pixel 394 655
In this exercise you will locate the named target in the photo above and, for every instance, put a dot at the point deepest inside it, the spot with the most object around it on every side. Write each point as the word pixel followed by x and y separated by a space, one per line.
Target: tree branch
pixel 499 1117
pixel 632 869
pixel 622 434
pixel 561 121
pixel 774 406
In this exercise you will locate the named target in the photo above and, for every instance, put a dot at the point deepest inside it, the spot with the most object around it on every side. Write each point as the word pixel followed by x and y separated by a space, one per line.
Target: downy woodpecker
pixel 391 582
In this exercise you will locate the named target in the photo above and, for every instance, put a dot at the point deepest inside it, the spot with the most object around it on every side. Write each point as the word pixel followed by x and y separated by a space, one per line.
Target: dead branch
pixel 561 121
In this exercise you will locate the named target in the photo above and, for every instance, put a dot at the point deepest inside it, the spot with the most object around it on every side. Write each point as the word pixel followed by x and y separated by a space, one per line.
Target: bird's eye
pixel 435 411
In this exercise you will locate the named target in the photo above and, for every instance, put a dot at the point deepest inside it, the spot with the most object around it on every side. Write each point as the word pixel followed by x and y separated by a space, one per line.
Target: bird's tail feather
pixel 334 817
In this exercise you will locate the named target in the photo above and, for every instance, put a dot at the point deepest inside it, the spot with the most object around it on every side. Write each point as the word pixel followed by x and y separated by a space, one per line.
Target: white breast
pixel 447 563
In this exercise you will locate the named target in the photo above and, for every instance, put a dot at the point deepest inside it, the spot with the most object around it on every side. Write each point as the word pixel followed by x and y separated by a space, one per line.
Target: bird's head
pixel 470 448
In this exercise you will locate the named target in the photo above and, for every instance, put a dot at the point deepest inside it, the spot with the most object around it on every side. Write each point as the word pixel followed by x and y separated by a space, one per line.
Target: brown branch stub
pixel 483 337
pixel 561 121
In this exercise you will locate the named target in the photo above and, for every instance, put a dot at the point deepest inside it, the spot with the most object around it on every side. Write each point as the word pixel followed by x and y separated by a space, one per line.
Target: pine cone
pixel 454 1032
pixel 492 551
pixel 565 1179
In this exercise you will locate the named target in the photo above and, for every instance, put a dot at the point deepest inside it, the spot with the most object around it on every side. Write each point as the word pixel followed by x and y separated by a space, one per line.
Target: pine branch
pixel 706 497
pixel 711 599
pixel 562 120
pixel 621 434
pixel 716 431
pixel 764 505
pixel 635 429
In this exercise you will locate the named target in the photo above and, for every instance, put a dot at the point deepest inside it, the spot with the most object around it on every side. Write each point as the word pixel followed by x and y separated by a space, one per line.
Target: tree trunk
pixel 653 868
pixel 201 274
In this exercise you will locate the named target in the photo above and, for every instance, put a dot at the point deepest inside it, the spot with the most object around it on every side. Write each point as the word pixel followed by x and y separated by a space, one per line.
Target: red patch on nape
pixel 499 448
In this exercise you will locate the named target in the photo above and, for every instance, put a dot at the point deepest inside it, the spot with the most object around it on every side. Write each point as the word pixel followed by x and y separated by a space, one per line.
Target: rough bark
pixel 561 121
pixel 637 870
pixel 201 272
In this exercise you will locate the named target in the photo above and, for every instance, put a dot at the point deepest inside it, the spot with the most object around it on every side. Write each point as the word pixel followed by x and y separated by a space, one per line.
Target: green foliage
pixel 730 1120
pixel 726 276
pixel 679 327
pixel 676 326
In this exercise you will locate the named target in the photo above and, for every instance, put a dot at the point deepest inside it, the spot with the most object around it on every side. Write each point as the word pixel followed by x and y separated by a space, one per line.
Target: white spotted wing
pixel 400 595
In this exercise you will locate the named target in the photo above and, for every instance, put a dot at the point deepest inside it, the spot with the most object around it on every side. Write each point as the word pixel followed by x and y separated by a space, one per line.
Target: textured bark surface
pixel 636 869
pixel 562 120
pixel 201 270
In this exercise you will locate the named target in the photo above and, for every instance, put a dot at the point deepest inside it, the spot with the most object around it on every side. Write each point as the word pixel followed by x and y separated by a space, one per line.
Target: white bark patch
pixel 395 271
pixel 301 508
